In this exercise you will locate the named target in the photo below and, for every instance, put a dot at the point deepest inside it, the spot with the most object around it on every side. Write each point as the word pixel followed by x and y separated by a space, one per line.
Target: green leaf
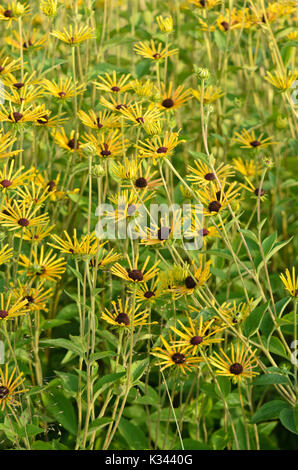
pixel 276 347
pixel 63 343
pixel 287 419
pixel 253 321
pixel 191 444
pixel 97 424
pixel 105 382
pixel 270 410
pixel 133 435
pixel 61 409
pixel 225 385
pixel 270 379
pixel 138 369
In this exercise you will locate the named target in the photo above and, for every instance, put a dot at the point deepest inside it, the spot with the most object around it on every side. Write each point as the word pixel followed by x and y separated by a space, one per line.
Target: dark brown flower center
pixel 135 275
pixel 140 120
pixel 72 144
pixel 203 3
pixel 115 88
pixel 8 14
pixel 236 368
pixel 149 294
pixel 141 182
pixel 214 206
pixel 5 183
pixel 162 150
pixel 51 185
pixel 27 44
pixel 255 143
pixel 225 25
pixel 156 55
pixel 204 232
pixel 19 85
pixel 23 222
pixel 209 176
pixel 168 103
pixel 106 152
pixel 41 271
pixel 195 340
pixel 190 283
pixel 29 299
pixel 98 123
pixel 122 318
pixel 178 358
pixel 163 233
pixel 4 391
pixel 259 192
pixel 16 116
pixel 1 68
pixel 62 94
pixel 3 313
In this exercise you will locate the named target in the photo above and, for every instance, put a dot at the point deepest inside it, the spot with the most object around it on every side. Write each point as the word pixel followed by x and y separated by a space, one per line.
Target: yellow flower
pixel 10 179
pixel 8 386
pixel 107 146
pixel 142 87
pixel 247 167
pixel 215 199
pixel 250 141
pixel 10 309
pixel 13 11
pixel 158 147
pixel 175 356
pixel 36 297
pixel 21 116
pixel 172 99
pixel 74 35
pixel 124 316
pixel 238 366
pixel 205 3
pixel 49 7
pixel 258 192
pixel 234 313
pixel 148 50
pixel 71 143
pixel 196 335
pixel 28 43
pixel 36 234
pixel 64 89
pixel 211 93
pixel 144 293
pixel 6 141
pixel 290 282
pixel 165 24
pixel 99 121
pixel 42 266
pixel 282 81
pixel 117 104
pixel 204 174
pixel 8 65
pixel 133 274
pixel 111 84
pixel 17 215
pixel 136 115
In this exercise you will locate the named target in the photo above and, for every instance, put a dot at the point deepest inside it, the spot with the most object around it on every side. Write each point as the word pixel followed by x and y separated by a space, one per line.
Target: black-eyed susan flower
pixel 159 147
pixel 104 257
pixel 11 308
pixel 239 365
pixel 133 273
pixel 19 116
pixel 12 11
pixel 211 93
pixel 98 121
pixel 171 99
pixel 175 356
pixel 234 19
pixel 16 83
pixel 36 234
pixel 257 191
pixel 26 94
pixel 17 216
pixel 52 186
pixel 290 282
pixel 42 266
pixel 236 313
pixel 64 89
pixel 282 80
pixel 146 293
pixel 190 277
pixel 203 174
pixel 8 387
pixel 116 103
pixel 196 335
pixel 5 254
pixel 74 35
pixel 248 168
pixel 161 232
pixel 149 50
pixel 36 297
pixel 215 199
pixel 28 43
pixel 87 246
pixel 32 194
pixel 10 179
pixel 125 316
pixel 127 205
pixel 138 116
pixel 108 145
pixel 250 141
pixel 200 227
pixel 48 121
pixel 111 84
pixel 70 143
